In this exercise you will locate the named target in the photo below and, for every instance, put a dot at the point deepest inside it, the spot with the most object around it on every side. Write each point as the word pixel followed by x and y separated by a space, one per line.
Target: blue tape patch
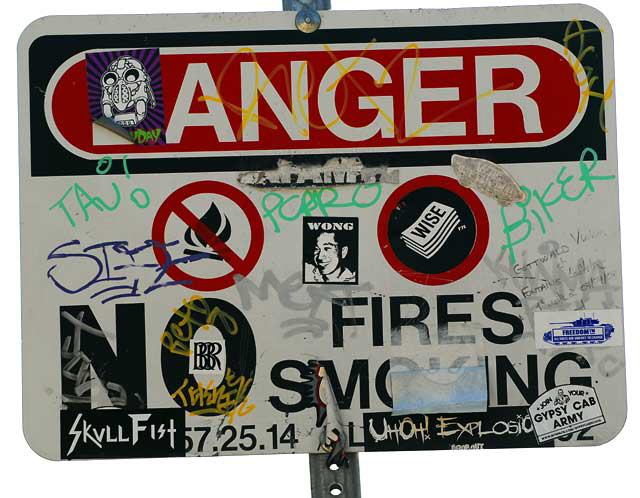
pixel 443 390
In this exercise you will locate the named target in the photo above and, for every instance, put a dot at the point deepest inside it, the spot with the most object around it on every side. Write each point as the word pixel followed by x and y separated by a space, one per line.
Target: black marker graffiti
pixel 85 347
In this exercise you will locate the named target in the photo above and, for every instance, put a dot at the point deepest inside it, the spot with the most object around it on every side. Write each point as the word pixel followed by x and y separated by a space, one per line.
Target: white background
pixel 584 472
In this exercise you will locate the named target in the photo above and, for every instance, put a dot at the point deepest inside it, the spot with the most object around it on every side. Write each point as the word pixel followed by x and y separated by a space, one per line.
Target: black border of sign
pixel 47 53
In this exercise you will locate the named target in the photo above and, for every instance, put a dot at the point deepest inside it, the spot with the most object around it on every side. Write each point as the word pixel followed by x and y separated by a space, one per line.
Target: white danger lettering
pixel 383 122
pixel 199 74
pixel 488 96
pixel 293 120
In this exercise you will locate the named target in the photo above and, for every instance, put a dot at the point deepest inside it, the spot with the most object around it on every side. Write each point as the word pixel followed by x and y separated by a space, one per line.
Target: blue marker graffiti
pixel 114 269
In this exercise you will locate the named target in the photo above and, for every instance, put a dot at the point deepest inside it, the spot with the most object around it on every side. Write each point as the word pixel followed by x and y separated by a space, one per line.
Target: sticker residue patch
pixel 442 382
pixel 445 390
pixel 487 178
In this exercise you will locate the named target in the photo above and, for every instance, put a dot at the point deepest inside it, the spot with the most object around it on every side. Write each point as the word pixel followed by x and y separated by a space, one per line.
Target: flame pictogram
pixel 214 220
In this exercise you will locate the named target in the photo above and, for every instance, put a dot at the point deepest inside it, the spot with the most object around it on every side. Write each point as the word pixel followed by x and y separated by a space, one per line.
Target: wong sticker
pixel 330 250
pixel 126 87
pixel 564 410
pixel 578 328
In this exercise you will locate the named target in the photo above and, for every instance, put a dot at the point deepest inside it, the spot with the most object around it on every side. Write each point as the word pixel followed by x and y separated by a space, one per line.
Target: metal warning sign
pixel 397 232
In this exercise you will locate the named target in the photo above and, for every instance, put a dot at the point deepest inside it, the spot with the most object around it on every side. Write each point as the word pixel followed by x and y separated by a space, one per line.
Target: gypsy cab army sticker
pixel 238 235
pixel 565 410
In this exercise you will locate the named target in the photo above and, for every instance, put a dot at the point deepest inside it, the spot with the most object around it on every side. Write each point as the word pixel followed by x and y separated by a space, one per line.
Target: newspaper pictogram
pixel 430 232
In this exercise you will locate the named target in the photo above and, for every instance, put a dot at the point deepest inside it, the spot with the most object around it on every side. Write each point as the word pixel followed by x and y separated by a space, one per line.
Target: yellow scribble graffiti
pixel 575 30
pixel 224 399
pixel 179 335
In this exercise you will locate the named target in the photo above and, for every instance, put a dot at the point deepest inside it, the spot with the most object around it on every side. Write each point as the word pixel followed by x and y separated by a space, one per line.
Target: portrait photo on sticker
pixel 330 250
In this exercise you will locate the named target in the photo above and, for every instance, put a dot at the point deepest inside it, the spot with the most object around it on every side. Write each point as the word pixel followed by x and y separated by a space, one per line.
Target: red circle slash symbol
pixel 174 204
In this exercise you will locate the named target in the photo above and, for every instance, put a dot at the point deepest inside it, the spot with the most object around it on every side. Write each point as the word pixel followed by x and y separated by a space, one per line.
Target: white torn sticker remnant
pixel 488 178
pixel 333 438
pixel 104 123
pixel 335 172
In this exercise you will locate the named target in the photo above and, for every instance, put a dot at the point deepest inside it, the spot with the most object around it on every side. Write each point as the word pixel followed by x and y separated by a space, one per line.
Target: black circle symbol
pixel 432 230
pixel 240 348
pixel 455 247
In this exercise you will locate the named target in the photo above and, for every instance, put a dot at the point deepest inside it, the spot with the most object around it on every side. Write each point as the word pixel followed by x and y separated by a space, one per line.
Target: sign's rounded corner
pixel 623 414
pixel 32 31
pixel 597 17
pixel 34 447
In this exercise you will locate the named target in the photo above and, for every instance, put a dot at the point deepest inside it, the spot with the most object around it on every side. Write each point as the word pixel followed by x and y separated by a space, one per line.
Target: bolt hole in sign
pixel 244 239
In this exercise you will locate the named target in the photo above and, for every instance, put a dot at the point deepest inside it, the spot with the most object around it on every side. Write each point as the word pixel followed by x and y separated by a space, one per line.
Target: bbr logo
pixel 206 356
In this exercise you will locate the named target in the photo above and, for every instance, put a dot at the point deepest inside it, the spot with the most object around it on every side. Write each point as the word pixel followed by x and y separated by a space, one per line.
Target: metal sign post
pixel 327 479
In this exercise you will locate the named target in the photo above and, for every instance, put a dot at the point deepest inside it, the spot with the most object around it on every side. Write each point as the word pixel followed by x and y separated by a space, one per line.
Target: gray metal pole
pixel 326 482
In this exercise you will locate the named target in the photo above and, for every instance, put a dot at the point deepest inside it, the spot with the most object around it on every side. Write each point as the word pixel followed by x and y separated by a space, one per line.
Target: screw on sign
pixel 174 204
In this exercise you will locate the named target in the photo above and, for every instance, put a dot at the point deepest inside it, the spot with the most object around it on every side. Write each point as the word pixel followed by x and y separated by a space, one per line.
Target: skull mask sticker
pixel 126 92
pixel 126 87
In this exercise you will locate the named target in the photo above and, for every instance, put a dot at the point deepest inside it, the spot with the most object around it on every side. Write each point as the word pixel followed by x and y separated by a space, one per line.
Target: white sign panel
pixel 238 238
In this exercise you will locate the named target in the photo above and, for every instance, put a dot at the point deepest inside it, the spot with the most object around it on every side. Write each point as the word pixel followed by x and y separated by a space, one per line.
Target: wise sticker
pixel 433 231
pixel 589 328
pixel 125 86
pixel 564 410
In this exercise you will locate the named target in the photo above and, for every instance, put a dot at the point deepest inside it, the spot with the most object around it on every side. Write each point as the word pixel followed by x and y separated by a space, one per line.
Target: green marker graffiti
pixel 277 206
pixel 539 204
pixel 85 201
